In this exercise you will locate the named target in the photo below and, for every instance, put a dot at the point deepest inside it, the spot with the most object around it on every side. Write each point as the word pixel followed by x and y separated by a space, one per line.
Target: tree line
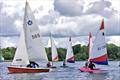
pixel 80 52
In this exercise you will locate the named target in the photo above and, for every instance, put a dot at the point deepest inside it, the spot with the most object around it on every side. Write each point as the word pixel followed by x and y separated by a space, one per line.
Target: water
pixel 112 72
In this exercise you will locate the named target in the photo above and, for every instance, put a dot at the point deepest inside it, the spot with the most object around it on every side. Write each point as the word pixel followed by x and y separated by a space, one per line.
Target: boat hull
pixel 26 70
pixel 89 70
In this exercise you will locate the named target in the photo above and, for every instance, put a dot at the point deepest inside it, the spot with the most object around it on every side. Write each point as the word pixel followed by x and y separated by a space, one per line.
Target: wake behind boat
pixel 30 47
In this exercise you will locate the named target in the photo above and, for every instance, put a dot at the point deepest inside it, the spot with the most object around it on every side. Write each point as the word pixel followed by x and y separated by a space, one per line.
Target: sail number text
pixel 35 36
pixel 102 47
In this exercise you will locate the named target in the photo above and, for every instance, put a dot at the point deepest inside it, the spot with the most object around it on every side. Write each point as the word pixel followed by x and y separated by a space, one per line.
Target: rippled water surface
pixel 112 72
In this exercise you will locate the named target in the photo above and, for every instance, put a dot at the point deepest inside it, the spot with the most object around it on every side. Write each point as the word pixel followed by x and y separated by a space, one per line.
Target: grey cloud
pixel 49 19
pixel 83 24
pixel 75 8
pixel 69 7
pixel 101 7
pixel 113 26
pixel 7 26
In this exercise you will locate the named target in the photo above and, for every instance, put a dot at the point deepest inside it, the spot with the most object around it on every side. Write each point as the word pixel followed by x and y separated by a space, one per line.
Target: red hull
pixel 26 70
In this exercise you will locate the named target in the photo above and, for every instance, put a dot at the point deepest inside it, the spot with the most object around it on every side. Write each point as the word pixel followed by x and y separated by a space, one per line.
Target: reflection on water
pixel 112 72
pixel 99 76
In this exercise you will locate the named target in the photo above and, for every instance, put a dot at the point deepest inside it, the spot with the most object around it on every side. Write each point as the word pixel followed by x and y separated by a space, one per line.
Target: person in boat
pixel 91 65
pixel 49 64
pixel 86 64
pixel 64 63
pixel 32 64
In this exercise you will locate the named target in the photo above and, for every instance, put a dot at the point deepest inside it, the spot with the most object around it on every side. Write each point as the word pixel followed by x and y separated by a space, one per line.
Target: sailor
pixel 86 64
pixel 48 64
pixel 64 63
pixel 33 64
pixel 91 65
pixel 119 64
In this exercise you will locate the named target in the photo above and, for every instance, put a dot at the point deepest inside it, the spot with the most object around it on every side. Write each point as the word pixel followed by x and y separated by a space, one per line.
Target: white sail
pixel 99 45
pixel 90 44
pixel 36 50
pixel 21 56
pixel 99 52
pixel 30 42
pixel 49 43
pixel 54 51
pixel 69 55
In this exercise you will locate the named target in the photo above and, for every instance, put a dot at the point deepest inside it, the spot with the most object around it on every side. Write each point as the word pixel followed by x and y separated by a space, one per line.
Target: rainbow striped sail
pixel 97 50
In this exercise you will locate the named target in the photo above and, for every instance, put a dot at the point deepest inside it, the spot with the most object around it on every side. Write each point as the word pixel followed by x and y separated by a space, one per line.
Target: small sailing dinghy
pixel 90 44
pixel 53 52
pixel 97 50
pixel 69 56
pixel 29 48
pixel 1 56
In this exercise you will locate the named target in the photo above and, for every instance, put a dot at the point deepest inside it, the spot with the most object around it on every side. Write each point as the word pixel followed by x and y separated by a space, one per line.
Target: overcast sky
pixel 63 18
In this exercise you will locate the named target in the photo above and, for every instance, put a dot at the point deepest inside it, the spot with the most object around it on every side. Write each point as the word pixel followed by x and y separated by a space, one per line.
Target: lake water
pixel 112 72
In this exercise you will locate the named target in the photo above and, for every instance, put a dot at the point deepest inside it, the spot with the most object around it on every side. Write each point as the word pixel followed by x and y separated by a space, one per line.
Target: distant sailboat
pixel 1 56
pixel 53 52
pixel 70 56
pixel 90 44
pixel 98 53
pixel 30 47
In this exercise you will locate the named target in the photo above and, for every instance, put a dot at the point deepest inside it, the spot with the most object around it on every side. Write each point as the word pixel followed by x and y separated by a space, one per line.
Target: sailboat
pixel 97 49
pixel 1 56
pixel 30 46
pixel 54 52
pixel 69 56
pixel 98 53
